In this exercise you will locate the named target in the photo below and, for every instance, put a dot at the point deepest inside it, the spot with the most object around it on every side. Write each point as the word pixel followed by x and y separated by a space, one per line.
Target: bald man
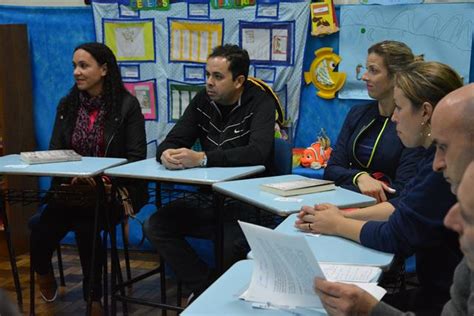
pixel 452 130
pixel 453 134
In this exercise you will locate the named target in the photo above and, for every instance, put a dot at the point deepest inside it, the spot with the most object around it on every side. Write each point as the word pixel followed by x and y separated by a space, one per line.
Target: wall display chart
pixel 162 53
pixel 440 32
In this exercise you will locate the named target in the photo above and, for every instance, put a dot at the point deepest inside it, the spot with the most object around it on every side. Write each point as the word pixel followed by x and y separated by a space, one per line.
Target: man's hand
pixel 374 188
pixel 169 161
pixel 181 158
pixel 344 299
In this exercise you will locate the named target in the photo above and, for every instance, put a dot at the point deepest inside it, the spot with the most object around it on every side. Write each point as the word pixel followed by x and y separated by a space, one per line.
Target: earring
pixel 426 130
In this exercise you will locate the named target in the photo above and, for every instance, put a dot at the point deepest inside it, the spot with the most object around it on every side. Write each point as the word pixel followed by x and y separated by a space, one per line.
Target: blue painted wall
pixel 53 34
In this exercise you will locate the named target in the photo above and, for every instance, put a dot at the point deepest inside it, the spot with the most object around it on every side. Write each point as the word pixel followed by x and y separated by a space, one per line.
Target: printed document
pixel 285 267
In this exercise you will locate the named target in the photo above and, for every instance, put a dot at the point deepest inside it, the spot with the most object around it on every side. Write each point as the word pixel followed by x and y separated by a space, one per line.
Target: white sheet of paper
pixel 373 289
pixel 350 273
pixel 284 268
pixel 130 42
pixel 257 43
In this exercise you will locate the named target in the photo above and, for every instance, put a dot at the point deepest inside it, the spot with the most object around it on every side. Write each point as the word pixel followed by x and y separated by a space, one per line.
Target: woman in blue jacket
pixel 415 223
pixel 368 156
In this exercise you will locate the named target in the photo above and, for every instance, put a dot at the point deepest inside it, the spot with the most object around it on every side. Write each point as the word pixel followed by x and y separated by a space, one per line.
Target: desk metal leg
pixel 105 270
pixel 117 277
pixel 99 199
pixel 218 202
pixel 32 285
pixel 11 252
pixel 116 272
pixel 125 250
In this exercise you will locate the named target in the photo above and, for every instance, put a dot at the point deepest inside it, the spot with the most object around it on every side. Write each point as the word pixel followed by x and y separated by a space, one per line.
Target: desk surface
pixel 334 249
pixel 150 169
pixel 87 167
pixel 249 191
pixel 221 298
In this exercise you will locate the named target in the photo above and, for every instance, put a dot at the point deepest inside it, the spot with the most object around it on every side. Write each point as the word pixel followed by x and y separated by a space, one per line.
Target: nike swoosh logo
pixel 236 131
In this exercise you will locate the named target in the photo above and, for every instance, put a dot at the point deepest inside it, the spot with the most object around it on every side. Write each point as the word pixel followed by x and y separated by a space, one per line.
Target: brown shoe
pixel 48 287
pixel 96 309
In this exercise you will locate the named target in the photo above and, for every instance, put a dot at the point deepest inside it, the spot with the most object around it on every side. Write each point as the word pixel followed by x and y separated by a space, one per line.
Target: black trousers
pixel 54 223
pixel 167 228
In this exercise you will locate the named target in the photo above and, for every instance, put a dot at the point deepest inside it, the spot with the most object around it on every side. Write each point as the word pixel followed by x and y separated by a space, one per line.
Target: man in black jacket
pixel 233 119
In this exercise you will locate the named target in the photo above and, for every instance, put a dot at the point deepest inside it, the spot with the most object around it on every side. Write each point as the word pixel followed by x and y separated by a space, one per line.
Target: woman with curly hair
pixel 98 118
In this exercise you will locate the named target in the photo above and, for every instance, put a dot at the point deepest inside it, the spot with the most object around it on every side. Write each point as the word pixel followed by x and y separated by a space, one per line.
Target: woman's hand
pixel 320 219
pixel 374 188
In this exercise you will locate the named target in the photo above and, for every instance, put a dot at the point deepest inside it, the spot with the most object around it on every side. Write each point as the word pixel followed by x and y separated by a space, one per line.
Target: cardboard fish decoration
pixel 321 73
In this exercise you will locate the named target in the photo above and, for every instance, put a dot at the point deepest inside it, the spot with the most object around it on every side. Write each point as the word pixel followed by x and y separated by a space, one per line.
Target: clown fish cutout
pixel 321 73
pixel 317 155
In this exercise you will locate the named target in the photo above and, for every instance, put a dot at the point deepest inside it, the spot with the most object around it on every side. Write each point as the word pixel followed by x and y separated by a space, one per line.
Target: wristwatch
pixel 203 162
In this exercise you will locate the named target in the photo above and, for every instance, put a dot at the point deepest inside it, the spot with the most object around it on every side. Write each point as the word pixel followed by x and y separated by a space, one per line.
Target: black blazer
pixel 124 135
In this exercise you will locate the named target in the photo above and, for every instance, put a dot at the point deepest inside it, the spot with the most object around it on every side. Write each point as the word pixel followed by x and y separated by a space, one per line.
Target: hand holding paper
pixel 285 268
pixel 345 299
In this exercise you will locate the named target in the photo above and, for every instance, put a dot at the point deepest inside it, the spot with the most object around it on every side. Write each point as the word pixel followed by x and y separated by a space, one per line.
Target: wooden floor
pixel 69 301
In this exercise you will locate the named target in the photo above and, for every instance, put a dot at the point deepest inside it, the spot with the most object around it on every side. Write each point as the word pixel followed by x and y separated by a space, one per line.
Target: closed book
pixel 298 187
pixel 48 156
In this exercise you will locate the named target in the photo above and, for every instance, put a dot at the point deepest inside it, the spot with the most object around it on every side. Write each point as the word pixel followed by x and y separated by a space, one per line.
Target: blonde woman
pixel 368 156
pixel 413 222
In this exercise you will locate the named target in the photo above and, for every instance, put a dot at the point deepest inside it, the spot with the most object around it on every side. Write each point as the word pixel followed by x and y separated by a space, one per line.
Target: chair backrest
pixel 282 157
pixel 280 115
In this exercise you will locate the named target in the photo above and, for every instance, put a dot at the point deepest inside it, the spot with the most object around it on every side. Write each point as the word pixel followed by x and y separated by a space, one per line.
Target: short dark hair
pixel 238 58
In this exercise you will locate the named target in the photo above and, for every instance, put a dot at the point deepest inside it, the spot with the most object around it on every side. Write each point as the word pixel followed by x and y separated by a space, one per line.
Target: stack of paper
pixel 48 156
pixel 285 267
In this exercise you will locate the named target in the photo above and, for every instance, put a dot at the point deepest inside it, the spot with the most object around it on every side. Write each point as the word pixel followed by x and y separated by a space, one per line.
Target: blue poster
pixel 440 32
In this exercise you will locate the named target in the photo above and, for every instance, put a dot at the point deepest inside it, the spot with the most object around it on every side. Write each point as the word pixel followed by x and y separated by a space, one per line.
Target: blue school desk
pixel 150 169
pixel 249 192
pixel 333 249
pixel 222 297
pixel 13 165
pixel 87 167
